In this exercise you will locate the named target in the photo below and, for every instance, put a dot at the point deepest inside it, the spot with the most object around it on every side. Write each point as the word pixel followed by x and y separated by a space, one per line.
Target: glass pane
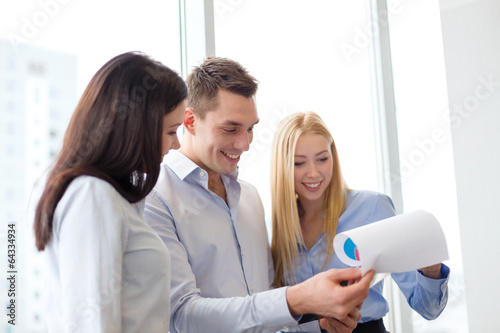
pixel 428 180
pixel 299 51
pixel 49 50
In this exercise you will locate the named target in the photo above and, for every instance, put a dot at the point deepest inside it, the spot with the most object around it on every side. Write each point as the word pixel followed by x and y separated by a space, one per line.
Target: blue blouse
pixel 425 295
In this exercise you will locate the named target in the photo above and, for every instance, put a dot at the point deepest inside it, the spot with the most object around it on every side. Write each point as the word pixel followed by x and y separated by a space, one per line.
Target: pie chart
pixel 351 250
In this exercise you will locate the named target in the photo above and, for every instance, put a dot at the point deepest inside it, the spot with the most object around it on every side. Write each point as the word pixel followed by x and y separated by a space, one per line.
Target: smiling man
pixel 213 224
pixel 225 134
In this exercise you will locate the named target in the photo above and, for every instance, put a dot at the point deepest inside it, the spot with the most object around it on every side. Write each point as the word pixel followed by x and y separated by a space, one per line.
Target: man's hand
pixel 323 295
pixel 345 326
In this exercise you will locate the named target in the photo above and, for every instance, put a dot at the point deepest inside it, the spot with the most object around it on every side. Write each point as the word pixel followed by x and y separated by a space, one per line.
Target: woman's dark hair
pixel 114 133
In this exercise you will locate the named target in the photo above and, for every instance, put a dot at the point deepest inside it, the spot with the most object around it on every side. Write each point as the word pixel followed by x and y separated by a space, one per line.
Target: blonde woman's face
pixel 313 167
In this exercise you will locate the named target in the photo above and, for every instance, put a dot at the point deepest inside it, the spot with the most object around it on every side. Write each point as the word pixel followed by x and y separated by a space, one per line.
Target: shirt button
pixel 242 253
pixel 202 174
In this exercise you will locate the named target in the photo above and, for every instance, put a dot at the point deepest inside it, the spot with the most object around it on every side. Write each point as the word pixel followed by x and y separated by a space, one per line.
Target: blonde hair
pixel 287 233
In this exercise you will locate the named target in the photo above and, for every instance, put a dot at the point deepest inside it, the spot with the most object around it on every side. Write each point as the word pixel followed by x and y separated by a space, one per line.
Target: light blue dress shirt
pixel 107 271
pixel 221 262
pixel 426 296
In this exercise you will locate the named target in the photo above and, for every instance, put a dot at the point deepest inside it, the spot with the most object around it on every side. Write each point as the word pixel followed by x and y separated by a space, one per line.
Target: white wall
pixel 471 41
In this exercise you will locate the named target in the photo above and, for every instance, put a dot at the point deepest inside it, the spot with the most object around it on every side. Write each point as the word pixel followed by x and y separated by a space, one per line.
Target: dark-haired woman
pixel 107 270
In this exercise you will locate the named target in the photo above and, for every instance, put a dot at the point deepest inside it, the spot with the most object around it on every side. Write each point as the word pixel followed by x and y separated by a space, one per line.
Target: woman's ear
pixel 189 120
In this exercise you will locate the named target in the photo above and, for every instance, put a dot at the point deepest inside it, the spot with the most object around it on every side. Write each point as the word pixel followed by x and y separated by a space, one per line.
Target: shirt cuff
pixel 434 284
pixel 274 310
pixel 309 327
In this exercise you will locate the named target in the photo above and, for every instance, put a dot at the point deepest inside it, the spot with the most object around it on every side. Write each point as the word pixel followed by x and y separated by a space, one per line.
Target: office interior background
pixel 408 88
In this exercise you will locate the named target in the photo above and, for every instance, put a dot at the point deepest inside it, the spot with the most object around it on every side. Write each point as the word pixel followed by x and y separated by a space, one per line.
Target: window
pixel 10 150
pixel 426 157
pixel 54 93
pixel 10 129
pixel 11 63
pixel 302 67
pixel 11 107
pixel 10 86
pixel 36 68
pixel 59 57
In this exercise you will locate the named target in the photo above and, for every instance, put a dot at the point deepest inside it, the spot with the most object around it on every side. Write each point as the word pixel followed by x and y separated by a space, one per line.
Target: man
pixel 213 224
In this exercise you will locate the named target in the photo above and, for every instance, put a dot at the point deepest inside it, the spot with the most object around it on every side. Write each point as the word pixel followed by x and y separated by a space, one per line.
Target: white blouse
pixel 107 270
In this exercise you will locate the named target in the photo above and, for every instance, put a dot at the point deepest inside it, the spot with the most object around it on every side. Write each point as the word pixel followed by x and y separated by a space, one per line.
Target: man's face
pixel 225 133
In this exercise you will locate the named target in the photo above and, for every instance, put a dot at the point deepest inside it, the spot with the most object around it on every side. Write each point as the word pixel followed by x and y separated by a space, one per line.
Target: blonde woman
pixel 311 203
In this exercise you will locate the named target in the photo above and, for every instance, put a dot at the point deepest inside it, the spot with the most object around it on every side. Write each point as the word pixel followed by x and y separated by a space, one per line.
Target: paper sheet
pixel 398 244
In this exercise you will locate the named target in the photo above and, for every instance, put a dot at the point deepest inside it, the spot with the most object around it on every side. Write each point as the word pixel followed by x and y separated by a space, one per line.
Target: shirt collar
pixel 182 166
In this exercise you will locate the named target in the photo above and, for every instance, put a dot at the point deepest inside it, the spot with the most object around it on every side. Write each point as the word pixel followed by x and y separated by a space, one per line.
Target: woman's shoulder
pixel 366 196
pixel 369 206
pixel 89 200
pixel 97 186
pixel 364 207
pixel 91 192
